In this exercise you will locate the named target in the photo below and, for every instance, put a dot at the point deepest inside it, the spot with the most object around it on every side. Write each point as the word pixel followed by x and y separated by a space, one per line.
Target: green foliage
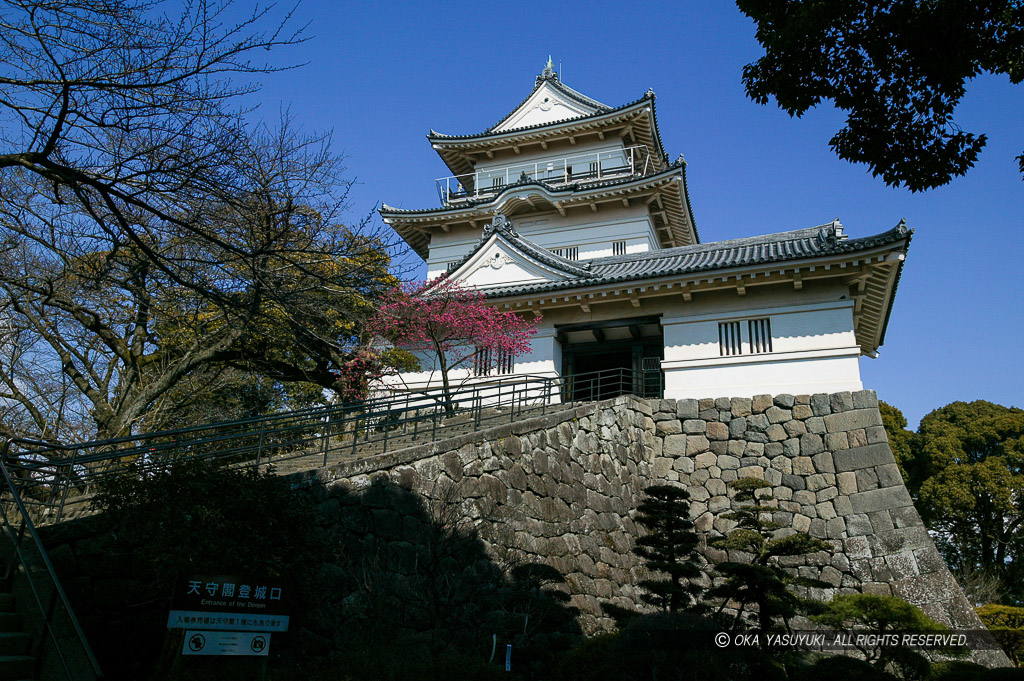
pixel 840 668
pixel 664 645
pixel 215 394
pixel 761 581
pixel 898 68
pixel 196 517
pixel 670 548
pixel 878 614
pixel 958 670
pixel 901 442
pixel 972 461
pixel 1007 626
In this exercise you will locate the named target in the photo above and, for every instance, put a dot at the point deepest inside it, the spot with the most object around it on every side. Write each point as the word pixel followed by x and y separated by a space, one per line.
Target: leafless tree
pixel 150 232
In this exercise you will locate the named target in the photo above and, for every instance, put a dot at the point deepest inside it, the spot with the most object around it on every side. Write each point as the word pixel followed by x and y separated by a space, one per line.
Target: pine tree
pixel 670 548
pixel 762 581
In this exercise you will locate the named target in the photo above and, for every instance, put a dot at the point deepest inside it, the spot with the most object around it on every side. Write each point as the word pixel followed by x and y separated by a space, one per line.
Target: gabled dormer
pixel 570 136
pixel 503 257
pixel 549 101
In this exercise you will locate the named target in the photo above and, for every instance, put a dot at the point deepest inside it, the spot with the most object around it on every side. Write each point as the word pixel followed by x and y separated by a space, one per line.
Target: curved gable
pixel 547 104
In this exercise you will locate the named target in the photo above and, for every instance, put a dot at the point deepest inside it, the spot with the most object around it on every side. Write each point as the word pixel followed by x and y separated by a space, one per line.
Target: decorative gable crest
pixel 550 101
pixel 503 258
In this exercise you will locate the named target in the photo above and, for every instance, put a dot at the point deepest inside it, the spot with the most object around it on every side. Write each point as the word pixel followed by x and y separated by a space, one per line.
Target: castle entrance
pixel 612 357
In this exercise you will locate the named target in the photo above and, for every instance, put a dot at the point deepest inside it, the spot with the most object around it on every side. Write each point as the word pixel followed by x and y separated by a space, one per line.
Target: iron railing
pixel 589 167
pixel 59 644
pixel 53 478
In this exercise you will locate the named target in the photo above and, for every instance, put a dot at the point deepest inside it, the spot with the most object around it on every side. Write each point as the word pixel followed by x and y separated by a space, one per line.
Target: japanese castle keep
pixel 573 210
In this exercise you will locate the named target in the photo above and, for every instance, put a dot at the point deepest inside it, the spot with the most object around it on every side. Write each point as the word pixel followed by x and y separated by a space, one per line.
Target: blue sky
pixel 380 75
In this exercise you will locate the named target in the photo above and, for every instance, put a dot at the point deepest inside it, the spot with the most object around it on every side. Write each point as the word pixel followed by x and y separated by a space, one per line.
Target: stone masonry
pixel 570 482
pixel 563 488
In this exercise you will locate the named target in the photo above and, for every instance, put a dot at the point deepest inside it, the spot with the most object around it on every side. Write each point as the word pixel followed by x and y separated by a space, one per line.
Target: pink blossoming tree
pixel 454 326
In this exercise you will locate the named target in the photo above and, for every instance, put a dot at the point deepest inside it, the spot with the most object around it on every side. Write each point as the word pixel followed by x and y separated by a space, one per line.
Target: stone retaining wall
pixel 563 489
pixel 560 488
pixel 570 484
pixel 833 476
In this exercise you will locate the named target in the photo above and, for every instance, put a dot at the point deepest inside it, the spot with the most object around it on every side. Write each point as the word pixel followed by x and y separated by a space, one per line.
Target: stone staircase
pixel 16 664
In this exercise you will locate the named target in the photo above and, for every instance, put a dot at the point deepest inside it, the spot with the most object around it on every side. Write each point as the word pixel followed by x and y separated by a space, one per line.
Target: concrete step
pixel 10 622
pixel 15 643
pixel 17 667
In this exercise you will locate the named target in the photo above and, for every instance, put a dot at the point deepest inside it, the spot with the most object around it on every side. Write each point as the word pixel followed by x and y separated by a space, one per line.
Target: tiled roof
pixel 386 210
pixel 435 136
pixel 784 246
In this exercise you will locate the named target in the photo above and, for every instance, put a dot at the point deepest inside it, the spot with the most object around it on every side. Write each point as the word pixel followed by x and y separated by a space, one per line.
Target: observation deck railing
pixel 590 167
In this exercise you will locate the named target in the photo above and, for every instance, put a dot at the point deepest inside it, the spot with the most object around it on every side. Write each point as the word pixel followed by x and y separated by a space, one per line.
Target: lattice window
pixel 488 361
pixel 619 248
pixel 729 341
pixel 756 341
pixel 760 335
pixel 569 252
pixel 451 266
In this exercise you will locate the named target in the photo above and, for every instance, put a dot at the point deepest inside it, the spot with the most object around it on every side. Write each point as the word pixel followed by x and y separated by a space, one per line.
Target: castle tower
pixel 571 209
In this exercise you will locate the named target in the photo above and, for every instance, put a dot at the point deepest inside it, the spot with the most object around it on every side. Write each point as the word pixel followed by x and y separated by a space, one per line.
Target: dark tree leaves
pixel 898 68
pixel 670 548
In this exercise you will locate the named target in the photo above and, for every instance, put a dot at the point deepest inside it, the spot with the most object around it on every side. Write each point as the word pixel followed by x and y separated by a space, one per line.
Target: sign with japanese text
pixel 225 643
pixel 222 602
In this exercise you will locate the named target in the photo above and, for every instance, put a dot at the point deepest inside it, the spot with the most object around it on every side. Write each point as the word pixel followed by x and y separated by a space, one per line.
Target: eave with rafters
pixel 634 123
pixel 664 194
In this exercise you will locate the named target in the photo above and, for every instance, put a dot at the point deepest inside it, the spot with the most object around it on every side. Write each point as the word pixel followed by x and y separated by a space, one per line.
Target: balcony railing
pixel 593 167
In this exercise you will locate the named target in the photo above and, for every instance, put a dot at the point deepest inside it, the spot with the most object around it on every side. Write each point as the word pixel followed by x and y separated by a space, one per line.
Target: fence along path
pixel 57 482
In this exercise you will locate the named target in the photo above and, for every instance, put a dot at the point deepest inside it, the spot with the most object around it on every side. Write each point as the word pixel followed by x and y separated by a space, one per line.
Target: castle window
pixel 619 248
pixel 451 266
pixel 488 361
pixel 729 341
pixel 760 334
pixel 569 252
pixel 497 182
pixel 756 341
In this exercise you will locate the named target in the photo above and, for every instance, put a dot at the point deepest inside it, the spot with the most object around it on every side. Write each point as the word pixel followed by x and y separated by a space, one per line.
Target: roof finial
pixel 549 70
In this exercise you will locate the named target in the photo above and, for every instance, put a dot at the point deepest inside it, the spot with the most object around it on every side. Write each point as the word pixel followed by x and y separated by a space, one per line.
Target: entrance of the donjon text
pixel 612 357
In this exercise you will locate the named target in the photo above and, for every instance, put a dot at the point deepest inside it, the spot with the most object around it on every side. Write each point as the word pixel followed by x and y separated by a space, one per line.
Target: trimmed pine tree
pixel 762 581
pixel 669 548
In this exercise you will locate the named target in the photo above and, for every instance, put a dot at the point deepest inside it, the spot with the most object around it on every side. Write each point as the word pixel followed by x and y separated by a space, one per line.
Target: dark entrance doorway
pixel 612 357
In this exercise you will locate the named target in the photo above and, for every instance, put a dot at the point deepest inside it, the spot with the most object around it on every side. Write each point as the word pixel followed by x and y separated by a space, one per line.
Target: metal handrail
pixel 57 594
pixel 52 477
pixel 595 165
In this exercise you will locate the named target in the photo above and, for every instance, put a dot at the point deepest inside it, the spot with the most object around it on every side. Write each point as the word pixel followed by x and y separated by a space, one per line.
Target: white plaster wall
pixel 813 343
pixel 796 376
pixel 814 348
pixel 546 105
pixel 794 329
